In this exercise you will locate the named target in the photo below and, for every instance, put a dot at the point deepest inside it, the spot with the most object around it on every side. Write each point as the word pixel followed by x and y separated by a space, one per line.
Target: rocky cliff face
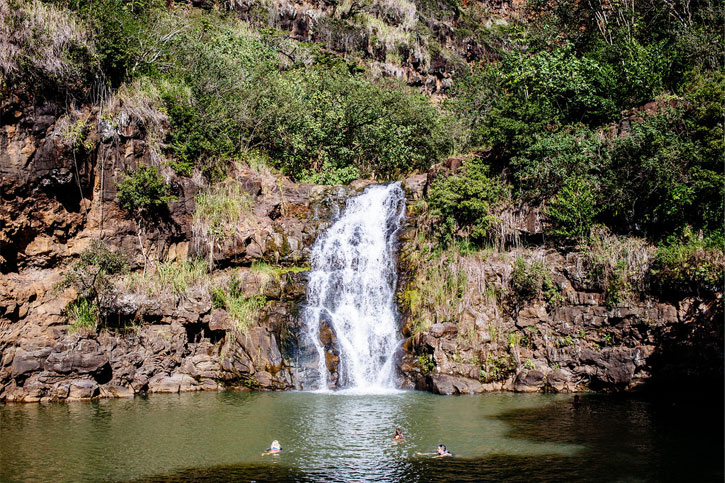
pixel 165 344
pixel 474 323
pixel 59 169
pixel 420 42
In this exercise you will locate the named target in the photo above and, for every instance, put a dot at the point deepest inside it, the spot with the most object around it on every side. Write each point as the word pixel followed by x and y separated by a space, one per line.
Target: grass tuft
pixel 82 315
pixel 219 209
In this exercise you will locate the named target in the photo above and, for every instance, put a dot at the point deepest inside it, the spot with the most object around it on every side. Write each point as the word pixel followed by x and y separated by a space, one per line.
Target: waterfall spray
pixel 351 289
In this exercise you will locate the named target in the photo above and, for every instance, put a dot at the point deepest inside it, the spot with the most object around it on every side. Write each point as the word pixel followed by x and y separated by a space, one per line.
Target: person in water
pixel 398 436
pixel 577 402
pixel 443 452
pixel 274 448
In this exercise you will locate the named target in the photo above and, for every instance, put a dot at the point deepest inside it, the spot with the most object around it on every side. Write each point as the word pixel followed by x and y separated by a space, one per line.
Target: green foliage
pixel 214 89
pixel 224 93
pixel 465 201
pixel 616 288
pixel 241 309
pixel 565 341
pixel 562 86
pixel 250 382
pixel 178 277
pixel 530 281
pixel 82 314
pixel 426 363
pixel 533 93
pixel 689 267
pixel 144 193
pixel 91 274
pixel 545 112
pixel 571 213
pixel 496 368
pixel 608 339
pixel 650 182
pixel 92 277
pixel 543 167
pixel 330 126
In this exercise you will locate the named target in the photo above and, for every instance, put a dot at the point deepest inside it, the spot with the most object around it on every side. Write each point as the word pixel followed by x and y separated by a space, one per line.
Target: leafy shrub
pixel 496 368
pixel 530 281
pixel 331 126
pixel 144 195
pixel 145 192
pixel 565 86
pixel 127 35
pixel 690 267
pixel 571 213
pixel 224 94
pixel 92 278
pixel 426 363
pixel 464 201
pixel 657 180
pixel 542 168
pixel 214 92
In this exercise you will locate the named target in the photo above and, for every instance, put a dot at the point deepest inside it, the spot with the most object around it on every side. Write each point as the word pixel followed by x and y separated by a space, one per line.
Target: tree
pixel 91 276
pixel 144 195
pixel 464 201
pixel 571 213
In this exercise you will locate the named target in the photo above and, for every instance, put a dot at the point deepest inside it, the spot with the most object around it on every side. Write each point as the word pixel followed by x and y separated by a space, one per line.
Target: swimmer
pixel 274 448
pixel 577 402
pixel 398 436
pixel 442 452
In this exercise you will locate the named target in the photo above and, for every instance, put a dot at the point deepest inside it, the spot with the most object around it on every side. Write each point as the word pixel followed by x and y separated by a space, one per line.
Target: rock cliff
pixel 59 170
pixel 527 318
pixel 520 317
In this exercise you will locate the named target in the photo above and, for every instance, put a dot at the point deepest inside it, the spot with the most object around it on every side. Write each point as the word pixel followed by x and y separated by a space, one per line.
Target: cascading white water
pixel 351 289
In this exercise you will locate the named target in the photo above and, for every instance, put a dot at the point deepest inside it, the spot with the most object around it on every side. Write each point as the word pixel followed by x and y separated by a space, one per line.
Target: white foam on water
pixel 351 288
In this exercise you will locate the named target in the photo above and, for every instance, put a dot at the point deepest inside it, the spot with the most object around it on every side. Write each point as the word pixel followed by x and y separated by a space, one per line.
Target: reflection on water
pixel 335 437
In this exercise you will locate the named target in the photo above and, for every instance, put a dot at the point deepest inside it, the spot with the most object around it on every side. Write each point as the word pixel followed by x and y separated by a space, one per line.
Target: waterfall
pixel 350 314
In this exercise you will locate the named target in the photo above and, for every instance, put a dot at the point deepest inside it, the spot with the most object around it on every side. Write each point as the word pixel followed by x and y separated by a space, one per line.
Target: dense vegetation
pixel 552 112
pixel 598 113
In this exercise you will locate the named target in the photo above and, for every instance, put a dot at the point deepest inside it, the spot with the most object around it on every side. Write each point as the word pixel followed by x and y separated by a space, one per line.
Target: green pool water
pixel 343 437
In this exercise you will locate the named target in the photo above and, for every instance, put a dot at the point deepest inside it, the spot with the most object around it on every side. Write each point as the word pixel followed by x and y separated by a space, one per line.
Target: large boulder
pixel 446 384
